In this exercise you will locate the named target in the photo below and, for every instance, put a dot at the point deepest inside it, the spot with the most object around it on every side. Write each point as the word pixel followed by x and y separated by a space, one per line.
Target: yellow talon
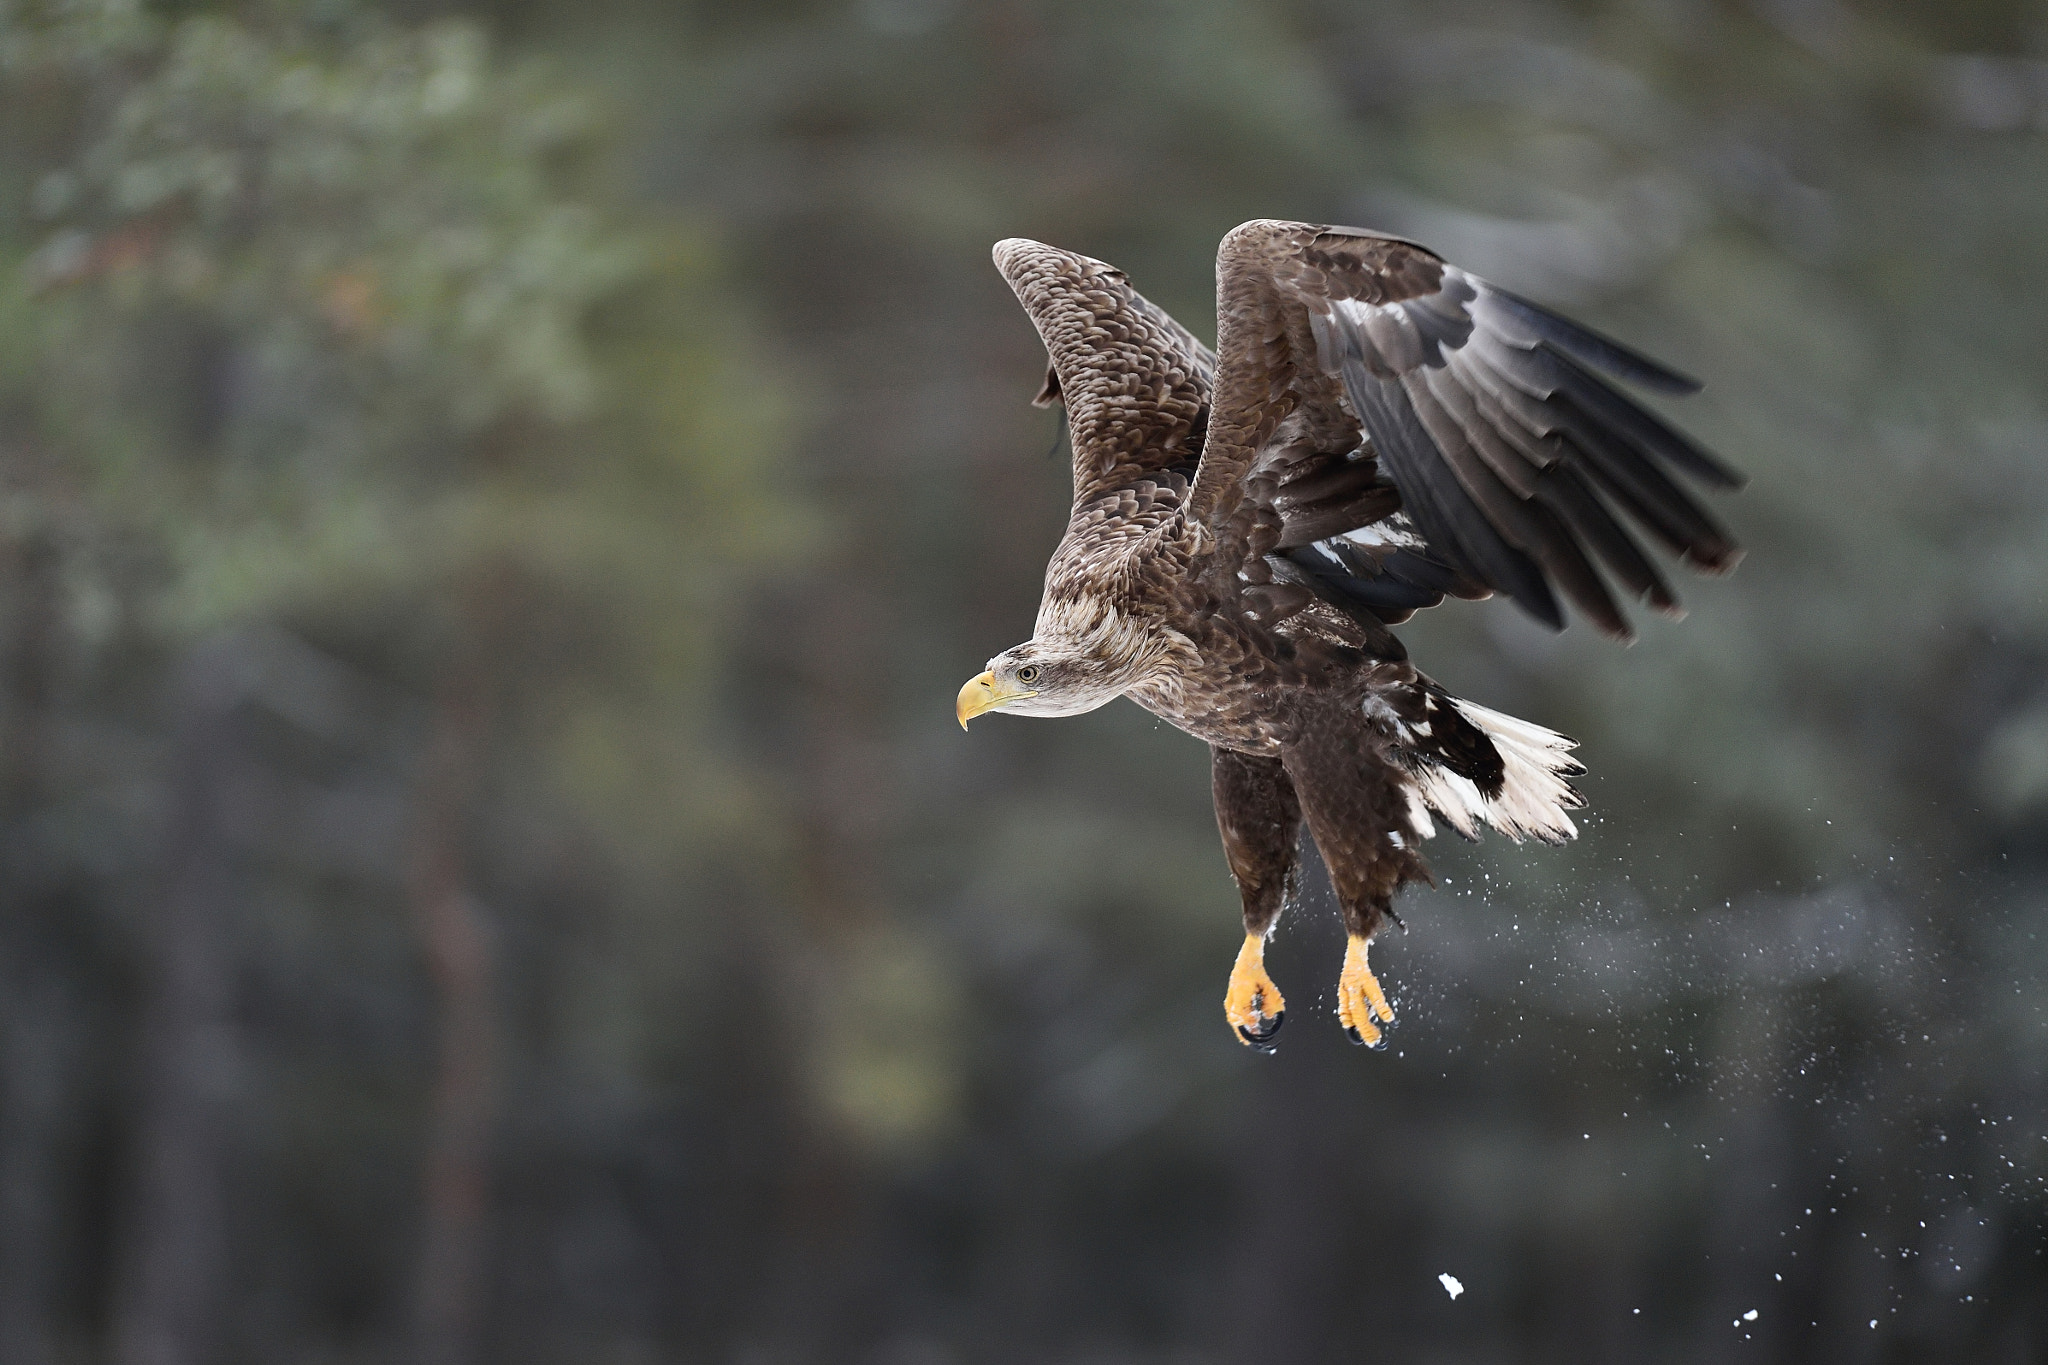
pixel 1253 1004
pixel 1359 997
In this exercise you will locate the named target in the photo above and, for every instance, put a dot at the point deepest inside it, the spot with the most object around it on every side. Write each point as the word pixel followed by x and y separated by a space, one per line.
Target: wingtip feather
pixel 1716 560
pixel 1593 348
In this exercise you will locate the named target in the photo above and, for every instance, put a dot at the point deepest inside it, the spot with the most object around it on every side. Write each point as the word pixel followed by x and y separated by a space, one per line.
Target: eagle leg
pixel 1260 821
pixel 1356 806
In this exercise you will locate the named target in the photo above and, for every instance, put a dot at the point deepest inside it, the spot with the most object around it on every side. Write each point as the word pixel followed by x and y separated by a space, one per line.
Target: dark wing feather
pixel 1527 324
pixel 1387 570
pixel 1452 520
pixel 1510 453
pixel 1134 381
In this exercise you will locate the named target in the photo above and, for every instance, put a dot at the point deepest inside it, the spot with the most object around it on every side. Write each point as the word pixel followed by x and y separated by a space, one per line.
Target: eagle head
pixel 1044 677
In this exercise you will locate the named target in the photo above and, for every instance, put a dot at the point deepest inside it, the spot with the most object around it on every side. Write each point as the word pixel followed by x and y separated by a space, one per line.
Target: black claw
pixel 1354 1035
pixel 1262 1040
pixel 1379 1044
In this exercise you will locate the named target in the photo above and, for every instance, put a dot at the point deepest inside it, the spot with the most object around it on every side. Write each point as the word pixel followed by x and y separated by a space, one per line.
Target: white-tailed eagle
pixel 1376 430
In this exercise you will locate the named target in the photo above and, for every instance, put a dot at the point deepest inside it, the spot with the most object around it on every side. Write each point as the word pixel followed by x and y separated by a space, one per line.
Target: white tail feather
pixel 1533 793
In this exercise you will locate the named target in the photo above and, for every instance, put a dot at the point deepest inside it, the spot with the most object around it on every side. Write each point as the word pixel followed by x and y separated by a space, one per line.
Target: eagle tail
pixel 1529 798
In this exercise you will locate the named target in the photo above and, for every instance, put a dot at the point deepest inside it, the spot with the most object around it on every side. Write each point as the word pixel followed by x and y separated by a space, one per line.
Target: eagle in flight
pixel 1377 429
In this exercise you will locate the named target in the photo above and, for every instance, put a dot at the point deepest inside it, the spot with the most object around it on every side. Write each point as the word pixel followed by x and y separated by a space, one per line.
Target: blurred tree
pixel 326 321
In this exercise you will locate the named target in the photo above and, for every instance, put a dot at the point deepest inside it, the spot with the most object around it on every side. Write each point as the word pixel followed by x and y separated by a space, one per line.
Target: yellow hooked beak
pixel 984 693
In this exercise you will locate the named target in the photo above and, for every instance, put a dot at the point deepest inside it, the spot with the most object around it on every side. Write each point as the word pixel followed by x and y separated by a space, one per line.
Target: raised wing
pixel 1135 382
pixel 1507 453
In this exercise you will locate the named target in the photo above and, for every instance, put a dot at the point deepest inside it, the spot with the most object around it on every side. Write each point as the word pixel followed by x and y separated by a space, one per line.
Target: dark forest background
pixel 496 501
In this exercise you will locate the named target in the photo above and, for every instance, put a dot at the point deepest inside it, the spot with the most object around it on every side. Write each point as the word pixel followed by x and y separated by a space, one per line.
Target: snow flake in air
pixel 1451 1284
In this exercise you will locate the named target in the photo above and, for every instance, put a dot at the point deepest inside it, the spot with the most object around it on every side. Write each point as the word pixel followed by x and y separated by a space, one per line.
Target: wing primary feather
pixel 1544 375
pixel 1522 416
pixel 1492 399
pixel 1620 466
pixel 1419 497
pixel 1565 492
pixel 1560 555
pixel 1481 484
pixel 1583 343
pixel 1514 468
pixel 1527 526
pixel 1418 468
pixel 1654 501
pixel 1602 402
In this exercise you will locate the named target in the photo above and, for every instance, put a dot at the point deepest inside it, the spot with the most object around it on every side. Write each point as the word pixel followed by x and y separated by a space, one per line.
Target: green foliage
pixel 324 314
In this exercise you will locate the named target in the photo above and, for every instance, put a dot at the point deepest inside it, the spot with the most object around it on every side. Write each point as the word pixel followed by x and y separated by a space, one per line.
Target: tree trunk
pixel 32 1042
pixel 168 1294
pixel 449 1291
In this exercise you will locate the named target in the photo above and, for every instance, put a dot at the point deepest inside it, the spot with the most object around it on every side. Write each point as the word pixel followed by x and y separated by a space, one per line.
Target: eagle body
pixel 1375 431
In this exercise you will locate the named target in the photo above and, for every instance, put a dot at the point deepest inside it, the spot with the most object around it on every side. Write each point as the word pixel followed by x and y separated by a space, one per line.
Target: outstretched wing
pixel 1134 381
pixel 1484 418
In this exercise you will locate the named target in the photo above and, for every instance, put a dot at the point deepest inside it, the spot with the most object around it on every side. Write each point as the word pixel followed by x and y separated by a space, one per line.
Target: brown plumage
pixel 1377 430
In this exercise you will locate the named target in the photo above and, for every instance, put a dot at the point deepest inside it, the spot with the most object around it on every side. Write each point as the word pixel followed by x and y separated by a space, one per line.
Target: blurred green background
pixel 496 500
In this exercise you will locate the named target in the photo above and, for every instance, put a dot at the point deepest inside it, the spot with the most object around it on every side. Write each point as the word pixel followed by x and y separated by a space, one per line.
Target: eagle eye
pixel 1028 673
